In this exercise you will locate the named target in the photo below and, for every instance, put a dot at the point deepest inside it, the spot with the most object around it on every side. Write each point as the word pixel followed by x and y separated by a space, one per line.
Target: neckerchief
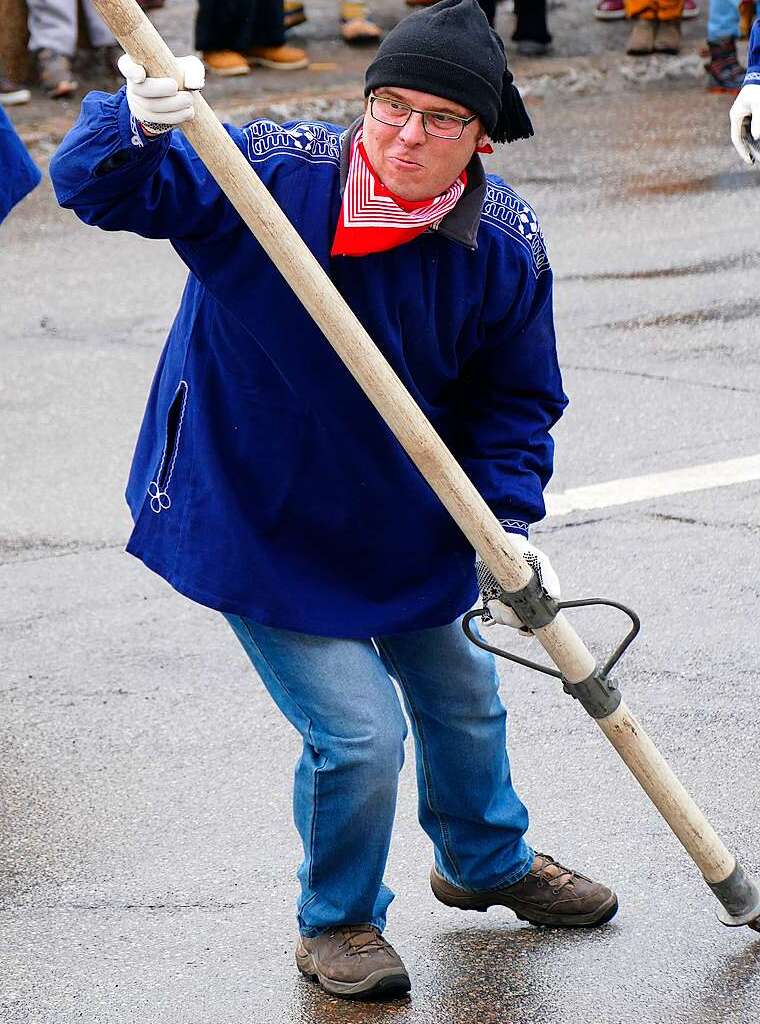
pixel 374 219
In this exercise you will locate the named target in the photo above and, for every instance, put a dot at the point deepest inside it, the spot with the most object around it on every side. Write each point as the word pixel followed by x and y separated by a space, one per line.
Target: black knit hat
pixel 450 50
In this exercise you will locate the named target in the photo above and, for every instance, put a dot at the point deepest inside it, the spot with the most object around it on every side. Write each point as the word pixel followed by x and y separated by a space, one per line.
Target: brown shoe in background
pixel 225 63
pixel 356 24
pixel 278 58
pixel 641 39
pixel 55 74
pixel 353 960
pixel 668 37
pixel 549 894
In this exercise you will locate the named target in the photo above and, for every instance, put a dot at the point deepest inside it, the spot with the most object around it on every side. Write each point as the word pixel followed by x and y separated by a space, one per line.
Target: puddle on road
pixel 728 181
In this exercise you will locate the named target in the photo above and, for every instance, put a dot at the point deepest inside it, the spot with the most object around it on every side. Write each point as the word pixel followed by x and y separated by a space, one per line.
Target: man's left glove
pixel 157 103
pixel 490 589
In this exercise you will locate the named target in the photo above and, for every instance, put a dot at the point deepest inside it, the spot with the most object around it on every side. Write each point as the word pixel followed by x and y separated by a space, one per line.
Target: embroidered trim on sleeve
pixel 516 525
pixel 307 140
pixel 505 210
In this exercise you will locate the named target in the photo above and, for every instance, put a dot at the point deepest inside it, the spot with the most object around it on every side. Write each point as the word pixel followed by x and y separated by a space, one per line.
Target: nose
pixel 413 132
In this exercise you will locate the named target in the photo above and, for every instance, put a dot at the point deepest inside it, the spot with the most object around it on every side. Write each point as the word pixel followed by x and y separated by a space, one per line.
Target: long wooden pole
pixel 377 379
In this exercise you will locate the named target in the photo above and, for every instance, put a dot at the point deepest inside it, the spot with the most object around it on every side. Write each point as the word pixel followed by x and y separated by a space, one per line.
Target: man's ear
pixel 483 144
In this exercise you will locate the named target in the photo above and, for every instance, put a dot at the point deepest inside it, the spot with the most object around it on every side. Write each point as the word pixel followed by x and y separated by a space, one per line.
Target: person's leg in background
pixel 53 40
pixel 467 804
pixel 106 51
pixel 488 7
pixel 725 73
pixel 668 32
pixel 531 29
pixel 98 32
pixel 233 34
pixel 643 14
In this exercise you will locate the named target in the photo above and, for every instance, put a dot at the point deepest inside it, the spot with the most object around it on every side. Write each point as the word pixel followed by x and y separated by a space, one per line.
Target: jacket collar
pixel 461 225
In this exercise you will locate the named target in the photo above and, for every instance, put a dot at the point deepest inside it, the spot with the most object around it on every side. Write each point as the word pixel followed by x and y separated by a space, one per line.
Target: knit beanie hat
pixel 450 50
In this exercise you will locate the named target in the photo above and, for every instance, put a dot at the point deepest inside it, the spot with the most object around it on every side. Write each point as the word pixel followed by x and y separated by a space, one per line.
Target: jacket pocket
pixel 158 489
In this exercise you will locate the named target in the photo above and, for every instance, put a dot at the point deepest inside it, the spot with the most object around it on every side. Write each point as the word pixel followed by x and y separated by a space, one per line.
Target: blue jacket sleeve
pixel 511 396
pixel 753 56
pixel 113 176
pixel 18 173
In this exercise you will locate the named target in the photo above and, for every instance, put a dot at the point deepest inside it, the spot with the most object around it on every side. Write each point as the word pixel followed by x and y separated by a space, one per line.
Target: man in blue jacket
pixel 18 173
pixel 266 486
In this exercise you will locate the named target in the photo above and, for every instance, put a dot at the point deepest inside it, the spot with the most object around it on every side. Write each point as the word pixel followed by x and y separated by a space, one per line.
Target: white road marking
pixel 654 485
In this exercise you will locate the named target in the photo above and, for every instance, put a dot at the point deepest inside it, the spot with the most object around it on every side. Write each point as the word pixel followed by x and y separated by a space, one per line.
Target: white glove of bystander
pixel 158 103
pixel 746 104
pixel 497 611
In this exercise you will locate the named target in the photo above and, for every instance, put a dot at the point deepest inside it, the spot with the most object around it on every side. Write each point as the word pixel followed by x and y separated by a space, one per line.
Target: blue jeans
pixel 722 20
pixel 339 696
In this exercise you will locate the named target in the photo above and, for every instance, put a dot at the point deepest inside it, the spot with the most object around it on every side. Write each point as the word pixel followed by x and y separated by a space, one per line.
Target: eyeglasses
pixel 443 126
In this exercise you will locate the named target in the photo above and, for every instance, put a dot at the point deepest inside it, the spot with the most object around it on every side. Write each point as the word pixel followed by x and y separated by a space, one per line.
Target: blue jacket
pixel 18 174
pixel 264 483
pixel 753 56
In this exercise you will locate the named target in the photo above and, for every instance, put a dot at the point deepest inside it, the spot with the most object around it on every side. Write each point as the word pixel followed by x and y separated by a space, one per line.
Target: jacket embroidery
pixel 307 140
pixel 505 210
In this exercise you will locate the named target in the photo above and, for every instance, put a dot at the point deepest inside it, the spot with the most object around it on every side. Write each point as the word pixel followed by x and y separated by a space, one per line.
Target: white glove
pixel 490 588
pixel 746 104
pixel 158 103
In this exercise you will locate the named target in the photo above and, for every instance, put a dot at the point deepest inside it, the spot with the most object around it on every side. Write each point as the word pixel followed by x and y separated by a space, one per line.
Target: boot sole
pixel 262 62
pixel 232 72
pixel 451 897
pixel 387 982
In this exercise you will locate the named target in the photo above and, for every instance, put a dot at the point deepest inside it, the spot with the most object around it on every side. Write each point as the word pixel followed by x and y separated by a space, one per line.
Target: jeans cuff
pixel 312 933
pixel 513 875
pixel 516 873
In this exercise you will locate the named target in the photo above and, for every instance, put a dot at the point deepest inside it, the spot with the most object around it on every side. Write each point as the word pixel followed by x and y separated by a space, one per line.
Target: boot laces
pixel 359 939
pixel 553 874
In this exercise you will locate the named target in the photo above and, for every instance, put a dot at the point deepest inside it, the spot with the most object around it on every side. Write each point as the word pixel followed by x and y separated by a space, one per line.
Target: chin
pixel 404 188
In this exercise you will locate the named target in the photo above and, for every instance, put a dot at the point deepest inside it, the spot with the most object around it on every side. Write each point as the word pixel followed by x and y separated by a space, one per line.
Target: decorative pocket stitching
pixel 157 489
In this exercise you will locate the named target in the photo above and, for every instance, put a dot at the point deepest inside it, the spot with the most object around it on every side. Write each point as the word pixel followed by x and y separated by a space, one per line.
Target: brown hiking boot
pixel 353 960
pixel 641 39
pixel 549 894
pixel 668 37
pixel 226 63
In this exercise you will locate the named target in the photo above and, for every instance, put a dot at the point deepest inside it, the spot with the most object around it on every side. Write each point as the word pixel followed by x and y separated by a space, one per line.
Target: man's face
pixel 410 162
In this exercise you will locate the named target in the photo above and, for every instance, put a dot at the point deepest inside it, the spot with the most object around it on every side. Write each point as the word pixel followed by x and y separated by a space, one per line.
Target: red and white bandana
pixel 373 219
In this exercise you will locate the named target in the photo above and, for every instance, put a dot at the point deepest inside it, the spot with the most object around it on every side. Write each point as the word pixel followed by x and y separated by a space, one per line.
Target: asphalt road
pixel 147 855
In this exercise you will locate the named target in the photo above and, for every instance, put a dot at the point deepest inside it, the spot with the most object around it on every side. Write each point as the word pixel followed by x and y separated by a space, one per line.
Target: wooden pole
pixel 376 377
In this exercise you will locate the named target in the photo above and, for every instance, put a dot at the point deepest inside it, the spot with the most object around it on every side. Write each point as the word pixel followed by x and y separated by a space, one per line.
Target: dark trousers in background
pixel 530 19
pixel 238 24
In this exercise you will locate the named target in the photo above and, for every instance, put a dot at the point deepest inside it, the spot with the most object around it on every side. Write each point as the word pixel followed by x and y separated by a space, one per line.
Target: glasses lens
pixel 389 111
pixel 443 126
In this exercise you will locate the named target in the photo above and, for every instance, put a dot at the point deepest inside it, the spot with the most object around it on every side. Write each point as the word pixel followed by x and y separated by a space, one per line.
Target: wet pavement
pixel 147 856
